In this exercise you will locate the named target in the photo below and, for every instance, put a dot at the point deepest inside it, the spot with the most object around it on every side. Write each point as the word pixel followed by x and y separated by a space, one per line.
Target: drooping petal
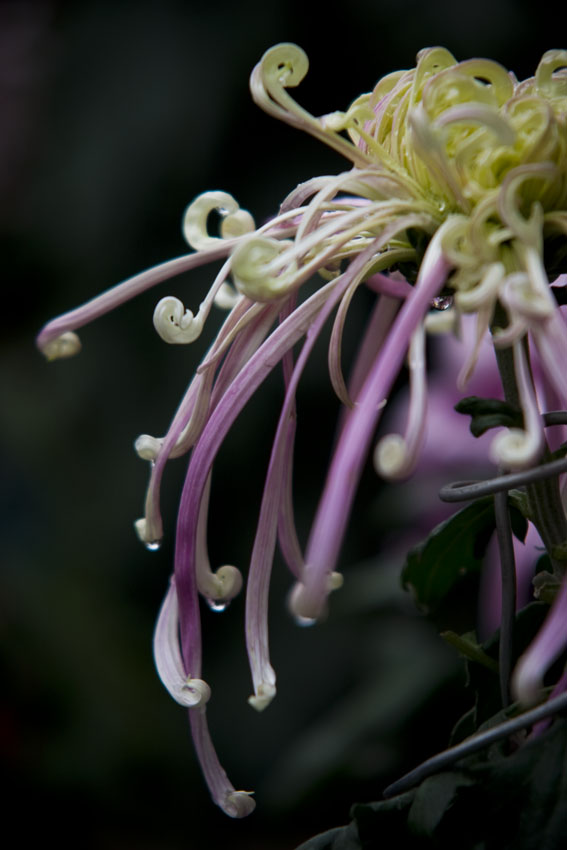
pixel 395 456
pixel 287 532
pixel 333 511
pixel 517 448
pixel 373 339
pixel 122 292
pixel 263 676
pixel 236 804
pixel 391 288
pixel 225 583
pixel 184 689
pixel 200 399
pixel 233 400
pixel 392 229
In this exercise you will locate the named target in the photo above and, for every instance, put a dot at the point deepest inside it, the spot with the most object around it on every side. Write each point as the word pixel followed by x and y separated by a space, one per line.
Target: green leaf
pixel 559 453
pixel 470 648
pixel 384 824
pixel 546 586
pixel 433 798
pixel 520 801
pixel 453 549
pixel 518 522
pixel 339 838
pixel 483 683
pixel 510 796
pixel 518 501
pixel 489 413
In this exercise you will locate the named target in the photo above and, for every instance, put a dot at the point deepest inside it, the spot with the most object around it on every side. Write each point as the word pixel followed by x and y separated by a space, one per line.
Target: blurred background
pixel 114 116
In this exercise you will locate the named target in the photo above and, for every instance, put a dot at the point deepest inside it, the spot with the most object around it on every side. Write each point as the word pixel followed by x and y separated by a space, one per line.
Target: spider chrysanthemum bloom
pixel 455 202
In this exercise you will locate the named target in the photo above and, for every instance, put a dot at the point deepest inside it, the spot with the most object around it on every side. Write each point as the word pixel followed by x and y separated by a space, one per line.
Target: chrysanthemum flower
pixel 455 201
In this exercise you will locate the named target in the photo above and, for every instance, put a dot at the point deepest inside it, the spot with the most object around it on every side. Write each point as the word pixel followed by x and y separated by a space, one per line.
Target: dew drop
pixel 442 302
pixel 217 607
pixel 153 545
pixel 304 622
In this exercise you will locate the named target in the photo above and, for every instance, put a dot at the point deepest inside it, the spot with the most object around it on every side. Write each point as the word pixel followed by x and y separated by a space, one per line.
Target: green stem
pixel 543 497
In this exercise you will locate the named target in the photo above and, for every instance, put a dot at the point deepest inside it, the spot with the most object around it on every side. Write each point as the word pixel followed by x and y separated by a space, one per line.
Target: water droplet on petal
pixel 304 622
pixel 217 607
pixel 153 545
pixel 442 302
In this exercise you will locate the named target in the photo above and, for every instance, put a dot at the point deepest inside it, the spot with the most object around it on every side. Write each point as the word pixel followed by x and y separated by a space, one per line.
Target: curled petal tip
pixel 304 609
pixel 284 65
pixel 390 456
pixel 551 61
pixel 263 696
pixel 239 223
pixel 194 693
pixel 256 272
pixel 239 804
pixel 515 449
pixel 220 587
pixel 187 691
pixel 174 323
pixel 228 583
pixel 148 447
pixel 66 345
pixel 336 581
pixel 149 537
pixel 234 221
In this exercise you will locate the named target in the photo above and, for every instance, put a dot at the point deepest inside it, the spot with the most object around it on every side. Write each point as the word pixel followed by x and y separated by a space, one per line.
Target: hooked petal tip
pixel 263 696
pixel 239 804
pixel 66 345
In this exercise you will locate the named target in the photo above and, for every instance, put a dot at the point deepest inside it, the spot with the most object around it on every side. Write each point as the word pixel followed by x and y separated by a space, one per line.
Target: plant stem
pixel 543 497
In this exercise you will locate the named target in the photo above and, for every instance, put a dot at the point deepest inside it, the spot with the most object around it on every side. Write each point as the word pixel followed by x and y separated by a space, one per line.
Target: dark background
pixel 114 116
